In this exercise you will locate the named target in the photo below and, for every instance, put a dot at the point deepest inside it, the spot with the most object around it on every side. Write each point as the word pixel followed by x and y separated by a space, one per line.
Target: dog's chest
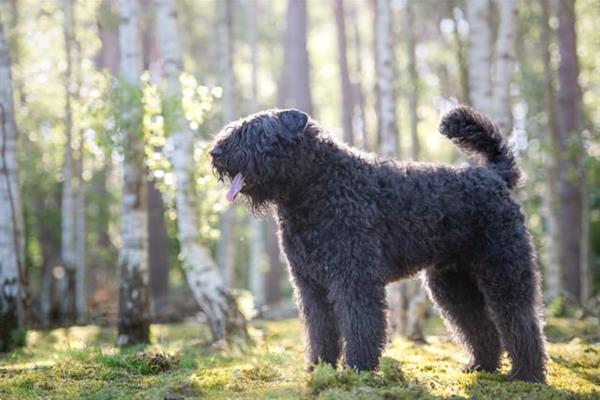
pixel 306 252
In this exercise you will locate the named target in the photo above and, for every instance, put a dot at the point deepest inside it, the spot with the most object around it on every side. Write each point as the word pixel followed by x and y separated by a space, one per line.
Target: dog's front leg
pixel 360 310
pixel 322 337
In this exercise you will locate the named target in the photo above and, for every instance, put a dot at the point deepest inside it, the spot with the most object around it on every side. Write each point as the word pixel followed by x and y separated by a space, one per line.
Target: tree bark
pixel 553 273
pixel 461 54
pixel 387 128
pixel 12 250
pixel 158 263
pixel 345 83
pixel 295 82
pixel 572 182
pixel 258 257
pixel 273 295
pixel 201 271
pixel 133 320
pixel 66 281
pixel 416 303
pixel 225 248
pixel 386 102
pixel 359 121
pixel 413 78
pixel 505 60
pixel 480 55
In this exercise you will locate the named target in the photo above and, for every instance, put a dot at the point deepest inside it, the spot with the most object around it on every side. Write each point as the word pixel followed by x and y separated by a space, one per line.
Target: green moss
pixel 81 363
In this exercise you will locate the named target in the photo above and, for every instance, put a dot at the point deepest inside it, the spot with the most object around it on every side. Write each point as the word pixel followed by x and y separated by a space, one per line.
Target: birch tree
pixel 201 271
pixel 480 55
pixel 572 172
pixel 553 273
pixel 345 83
pixel 225 248
pixel 12 253
pixel 79 209
pixel 415 298
pixel 413 78
pixel 133 320
pixel 387 126
pixel 386 103
pixel 66 283
pixel 258 258
pixel 504 65
pixel 359 121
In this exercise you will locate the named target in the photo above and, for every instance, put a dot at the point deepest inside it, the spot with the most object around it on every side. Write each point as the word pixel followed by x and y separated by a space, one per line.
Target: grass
pixel 81 363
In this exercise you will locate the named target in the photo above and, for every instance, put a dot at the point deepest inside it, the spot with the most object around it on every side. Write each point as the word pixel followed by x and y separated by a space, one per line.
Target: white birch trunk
pixel 225 248
pixel 416 299
pixel 79 246
pixel 133 321
pixel 413 96
pixel 386 125
pixel 258 256
pixel 480 54
pixel 386 111
pixel 201 271
pixel 505 61
pixel 66 281
pixel 12 251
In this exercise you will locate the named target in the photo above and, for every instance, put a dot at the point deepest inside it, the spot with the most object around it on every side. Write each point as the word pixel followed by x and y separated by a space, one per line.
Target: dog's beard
pixel 257 201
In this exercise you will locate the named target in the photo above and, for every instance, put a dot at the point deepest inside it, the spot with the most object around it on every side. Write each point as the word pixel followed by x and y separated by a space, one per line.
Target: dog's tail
pixel 477 136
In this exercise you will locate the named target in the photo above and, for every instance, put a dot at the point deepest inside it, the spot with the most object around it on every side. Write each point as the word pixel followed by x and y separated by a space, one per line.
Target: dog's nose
pixel 216 152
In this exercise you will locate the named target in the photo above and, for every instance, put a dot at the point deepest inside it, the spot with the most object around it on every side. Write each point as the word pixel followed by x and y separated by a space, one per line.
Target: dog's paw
pixel 476 366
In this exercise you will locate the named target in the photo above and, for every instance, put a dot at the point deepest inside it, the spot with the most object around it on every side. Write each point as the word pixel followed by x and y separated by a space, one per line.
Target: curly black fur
pixel 351 222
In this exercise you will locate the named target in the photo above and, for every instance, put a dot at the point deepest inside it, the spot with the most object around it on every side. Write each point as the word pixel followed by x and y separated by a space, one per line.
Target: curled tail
pixel 477 136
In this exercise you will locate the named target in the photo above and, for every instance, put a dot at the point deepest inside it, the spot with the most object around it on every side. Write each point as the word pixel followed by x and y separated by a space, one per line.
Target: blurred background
pixel 110 213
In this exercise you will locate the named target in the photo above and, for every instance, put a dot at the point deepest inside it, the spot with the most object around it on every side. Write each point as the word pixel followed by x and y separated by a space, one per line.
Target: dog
pixel 351 222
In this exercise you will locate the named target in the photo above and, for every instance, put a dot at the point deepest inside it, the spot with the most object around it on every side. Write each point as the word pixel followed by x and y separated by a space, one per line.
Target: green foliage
pixel 144 363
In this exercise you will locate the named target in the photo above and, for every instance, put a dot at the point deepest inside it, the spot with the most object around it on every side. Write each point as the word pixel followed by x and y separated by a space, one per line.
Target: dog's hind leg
pixel 510 284
pixel 463 309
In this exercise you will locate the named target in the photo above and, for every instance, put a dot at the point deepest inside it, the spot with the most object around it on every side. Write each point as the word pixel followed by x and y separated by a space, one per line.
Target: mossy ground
pixel 82 363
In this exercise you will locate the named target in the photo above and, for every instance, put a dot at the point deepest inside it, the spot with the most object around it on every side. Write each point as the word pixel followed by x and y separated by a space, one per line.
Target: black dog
pixel 351 222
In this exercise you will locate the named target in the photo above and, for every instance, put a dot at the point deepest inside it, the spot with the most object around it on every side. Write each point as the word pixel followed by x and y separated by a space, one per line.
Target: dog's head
pixel 259 155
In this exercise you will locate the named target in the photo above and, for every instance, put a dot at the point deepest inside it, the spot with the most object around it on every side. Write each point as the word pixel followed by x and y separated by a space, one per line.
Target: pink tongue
pixel 236 185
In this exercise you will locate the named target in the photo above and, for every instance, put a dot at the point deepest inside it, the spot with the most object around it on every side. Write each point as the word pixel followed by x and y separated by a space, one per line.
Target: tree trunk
pixel 202 273
pixel 416 303
pixel 12 250
pixel 256 243
pixel 505 60
pixel 387 128
pixel 461 54
pixel 572 173
pixel 108 57
pixel 413 78
pixel 79 246
pixel 66 280
pixel 133 320
pixel 553 273
pixel 226 248
pixel 158 263
pixel 386 103
pixel 273 295
pixel 359 122
pixel 480 54
pixel 346 85
pixel 295 83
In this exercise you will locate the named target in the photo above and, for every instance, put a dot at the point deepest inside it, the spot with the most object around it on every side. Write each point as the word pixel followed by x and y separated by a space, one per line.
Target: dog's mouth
pixel 237 184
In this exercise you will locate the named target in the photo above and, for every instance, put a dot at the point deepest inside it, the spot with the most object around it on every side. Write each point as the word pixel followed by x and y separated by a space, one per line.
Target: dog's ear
pixel 294 120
